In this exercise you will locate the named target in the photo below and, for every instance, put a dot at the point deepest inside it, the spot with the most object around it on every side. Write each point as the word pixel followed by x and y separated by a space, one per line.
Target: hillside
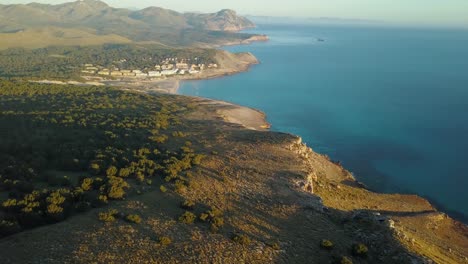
pixel 224 20
pixel 169 179
pixel 149 24
pixel 43 37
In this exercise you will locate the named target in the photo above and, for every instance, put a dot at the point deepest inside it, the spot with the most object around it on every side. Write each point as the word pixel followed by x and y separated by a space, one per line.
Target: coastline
pixel 250 118
pixel 414 220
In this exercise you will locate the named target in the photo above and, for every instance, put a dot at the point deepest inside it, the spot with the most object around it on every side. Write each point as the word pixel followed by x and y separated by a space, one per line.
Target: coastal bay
pixel 366 111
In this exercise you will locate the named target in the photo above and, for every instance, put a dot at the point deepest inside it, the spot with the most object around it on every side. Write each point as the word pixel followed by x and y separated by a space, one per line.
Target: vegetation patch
pixel 164 241
pixel 242 239
pixel 326 244
pixel 102 138
pixel 187 218
pixel 346 260
pixel 187 204
pixel 360 250
pixel 133 218
pixel 109 216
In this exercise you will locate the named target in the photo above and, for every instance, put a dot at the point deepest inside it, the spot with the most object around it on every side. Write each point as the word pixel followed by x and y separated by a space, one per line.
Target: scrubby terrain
pixel 167 179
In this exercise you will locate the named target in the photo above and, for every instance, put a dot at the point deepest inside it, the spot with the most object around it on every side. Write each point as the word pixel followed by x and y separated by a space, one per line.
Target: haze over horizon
pixel 416 12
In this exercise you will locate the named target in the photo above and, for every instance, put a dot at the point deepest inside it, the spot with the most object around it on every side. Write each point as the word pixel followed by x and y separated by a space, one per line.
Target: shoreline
pixel 247 117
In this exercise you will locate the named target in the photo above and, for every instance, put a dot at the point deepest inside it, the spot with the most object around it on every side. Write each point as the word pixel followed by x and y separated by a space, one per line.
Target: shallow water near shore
pixel 390 103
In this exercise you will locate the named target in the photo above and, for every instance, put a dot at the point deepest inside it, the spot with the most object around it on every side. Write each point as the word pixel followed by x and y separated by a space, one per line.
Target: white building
pixel 141 75
pixel 154 74
pixel 169 72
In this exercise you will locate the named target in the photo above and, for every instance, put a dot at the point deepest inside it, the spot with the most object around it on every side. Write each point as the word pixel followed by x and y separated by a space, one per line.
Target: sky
pixel 431 12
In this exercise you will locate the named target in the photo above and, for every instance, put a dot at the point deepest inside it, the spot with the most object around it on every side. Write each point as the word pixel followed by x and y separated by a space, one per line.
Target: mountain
pixel 224 20
pixel 149 24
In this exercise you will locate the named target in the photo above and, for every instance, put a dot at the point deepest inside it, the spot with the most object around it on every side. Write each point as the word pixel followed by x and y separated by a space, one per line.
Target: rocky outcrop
pixel 224 20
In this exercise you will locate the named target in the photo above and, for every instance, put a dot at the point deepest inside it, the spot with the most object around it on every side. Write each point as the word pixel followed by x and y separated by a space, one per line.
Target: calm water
pixel 391 104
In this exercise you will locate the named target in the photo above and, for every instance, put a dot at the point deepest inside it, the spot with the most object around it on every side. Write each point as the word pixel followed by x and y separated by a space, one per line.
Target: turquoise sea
pixel 390 103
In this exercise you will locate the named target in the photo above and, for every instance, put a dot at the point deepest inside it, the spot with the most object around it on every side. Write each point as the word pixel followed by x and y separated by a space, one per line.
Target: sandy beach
pixel 246 117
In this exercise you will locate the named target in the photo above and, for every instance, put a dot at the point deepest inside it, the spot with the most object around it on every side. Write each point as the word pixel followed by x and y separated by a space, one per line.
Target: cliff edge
pixel 256 197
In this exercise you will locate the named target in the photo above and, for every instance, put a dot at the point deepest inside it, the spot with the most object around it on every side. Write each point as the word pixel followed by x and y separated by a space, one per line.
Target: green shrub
pixel 216 223
pixel 164 241
pixel 116 187
pixel 180 186
pixel 360 250
pixel 204 217
pixel 346 260
pixel 163 188
pixel 87 184
pixel 187 218
pixel 215 217
pixel 109 216
pixel 197 159
pixel 188 205
pixel 95 168
pixel 140 176
pixel 326 244
pixel 133 218
pixel 111 171
pixel 242 239
pixel 124 172
pixel 214 212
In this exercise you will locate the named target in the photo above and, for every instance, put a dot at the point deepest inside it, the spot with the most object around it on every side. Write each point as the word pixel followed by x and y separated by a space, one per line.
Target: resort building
pixel 154 74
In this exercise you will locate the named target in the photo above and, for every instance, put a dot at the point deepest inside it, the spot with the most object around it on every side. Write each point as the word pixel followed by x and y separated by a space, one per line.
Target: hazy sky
pixel 436 12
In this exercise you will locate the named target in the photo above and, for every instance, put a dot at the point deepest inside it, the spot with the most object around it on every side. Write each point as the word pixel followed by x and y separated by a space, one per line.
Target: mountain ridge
pixel 93 12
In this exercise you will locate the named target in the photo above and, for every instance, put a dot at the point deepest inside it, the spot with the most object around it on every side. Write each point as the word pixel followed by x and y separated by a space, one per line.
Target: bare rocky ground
pixel 270 188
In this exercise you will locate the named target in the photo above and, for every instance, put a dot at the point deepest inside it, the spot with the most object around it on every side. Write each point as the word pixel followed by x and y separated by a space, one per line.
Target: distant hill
pixel 43 37
pixel 149 24
pixel 224 20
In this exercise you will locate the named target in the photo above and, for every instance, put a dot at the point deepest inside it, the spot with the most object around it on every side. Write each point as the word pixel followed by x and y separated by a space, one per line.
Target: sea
pixel 390 103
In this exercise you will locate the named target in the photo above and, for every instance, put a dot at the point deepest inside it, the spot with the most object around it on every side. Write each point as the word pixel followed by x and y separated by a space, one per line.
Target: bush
pixel 163 188
pixel 109 216
pixel 216 223
pixel 95 168
pixel 9 227
pixel 346 260
pixel 187 204
pixel 187 218
pixel 360 250
pixel 133 218
pixel 242 239
pixel 111 171
pixel 164 241
pixel 116 187
pixel 204 217
pixel 87 184
pixel 326 244
pixel 124 172
pixel 180 186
